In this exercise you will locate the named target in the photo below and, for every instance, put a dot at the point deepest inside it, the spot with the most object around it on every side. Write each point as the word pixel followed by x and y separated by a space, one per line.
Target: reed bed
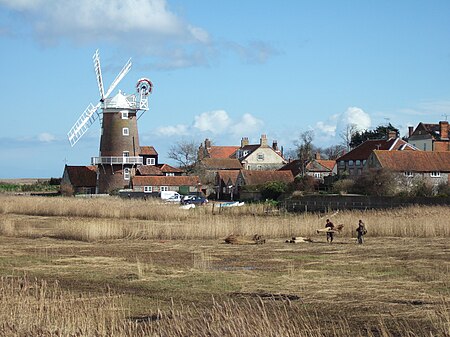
pixel 36 308
pixel 114 218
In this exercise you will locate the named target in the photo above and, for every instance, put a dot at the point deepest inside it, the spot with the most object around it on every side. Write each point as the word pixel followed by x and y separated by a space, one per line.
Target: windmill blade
pixel 98 72
pixel 83 123
pixel 126 68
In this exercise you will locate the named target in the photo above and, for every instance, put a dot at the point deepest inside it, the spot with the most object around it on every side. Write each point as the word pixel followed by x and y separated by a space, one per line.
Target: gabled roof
pixel 294 166
pixel 165 181
pixel 254 177
pixel 415 161
pixel 148 151
pixel 166 168
pixel 227 175
pixel 149 170
pixel 222 151
pixel 320 165
pixel 221 163
pixel 363 151
pixel 82 176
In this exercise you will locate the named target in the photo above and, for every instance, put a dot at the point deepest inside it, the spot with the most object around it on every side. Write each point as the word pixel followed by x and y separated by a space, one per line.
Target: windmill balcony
pixel 116 160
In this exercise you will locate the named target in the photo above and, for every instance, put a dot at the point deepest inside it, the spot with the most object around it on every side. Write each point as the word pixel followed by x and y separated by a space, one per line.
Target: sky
pixel 221 70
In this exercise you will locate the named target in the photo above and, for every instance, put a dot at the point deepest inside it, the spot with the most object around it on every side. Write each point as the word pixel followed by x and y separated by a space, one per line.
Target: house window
pixel 364 162
pixel 408 174
pixel 150 161
pixel 148 189
pixel 435 174
pixel 124 114
pixel 358 162
pixel 125 131
pixel 126 153
pixel 164 188
pixel 260 156
pixel 259 167
pixel 350 163
pixel 424 146
pixel 342 163
pixel 170 174
pixel 317 175
pixel 126 173
pixel 245 153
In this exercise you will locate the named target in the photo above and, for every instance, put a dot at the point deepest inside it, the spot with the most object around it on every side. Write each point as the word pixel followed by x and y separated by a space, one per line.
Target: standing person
pixel 361 230
pixel 330 233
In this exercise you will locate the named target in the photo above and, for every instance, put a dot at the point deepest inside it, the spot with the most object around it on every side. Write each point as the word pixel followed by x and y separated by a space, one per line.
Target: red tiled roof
pixel 227 175
pixel 222 151
pixel 82 176
pixel 165 181
pixel 221 163
pixel 166 168
pixel 415 161
pixel 149 170
pixel 254 177
pixel 329 164
pixel 363 151
pixel 148 151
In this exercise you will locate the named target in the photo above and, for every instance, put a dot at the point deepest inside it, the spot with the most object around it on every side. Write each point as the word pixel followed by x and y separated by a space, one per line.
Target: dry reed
pixel 111 218
pixel 35 308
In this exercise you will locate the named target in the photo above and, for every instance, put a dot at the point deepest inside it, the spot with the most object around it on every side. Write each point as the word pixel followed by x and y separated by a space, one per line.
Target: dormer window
pixel 150 161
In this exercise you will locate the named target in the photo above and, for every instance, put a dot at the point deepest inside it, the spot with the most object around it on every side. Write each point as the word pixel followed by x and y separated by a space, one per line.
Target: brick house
pixel 430 137
pixel 317 168
pixel 352 162
pixel 256 178
pixel 152 185
pixel 79 180
pixel 409 166
pixel 260 156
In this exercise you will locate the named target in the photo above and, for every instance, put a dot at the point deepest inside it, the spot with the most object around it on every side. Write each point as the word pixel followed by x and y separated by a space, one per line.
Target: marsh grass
pixel 36 308
pixel 114 218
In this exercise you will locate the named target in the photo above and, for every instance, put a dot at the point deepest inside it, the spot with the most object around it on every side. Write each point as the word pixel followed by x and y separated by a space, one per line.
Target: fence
pixel 319 203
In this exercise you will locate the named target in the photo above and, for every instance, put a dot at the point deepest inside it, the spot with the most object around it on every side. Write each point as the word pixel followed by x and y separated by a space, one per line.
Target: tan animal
pixel 299 239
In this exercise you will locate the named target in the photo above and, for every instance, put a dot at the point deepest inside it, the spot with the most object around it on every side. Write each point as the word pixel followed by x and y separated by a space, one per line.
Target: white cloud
pixel 46 137
pixel 216 121
pixel 330 130
pixel 175 130
pixel 247 125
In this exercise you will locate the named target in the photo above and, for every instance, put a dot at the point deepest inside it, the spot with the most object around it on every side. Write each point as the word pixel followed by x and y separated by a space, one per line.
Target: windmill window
pixel 148 189
pixel 124 114
pixel 125 131
pixel 435 174
pixel 150 161
pixel 126 174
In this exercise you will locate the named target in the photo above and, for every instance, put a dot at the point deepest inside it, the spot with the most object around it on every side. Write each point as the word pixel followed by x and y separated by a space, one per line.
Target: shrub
pixel 273 189
pixel 343 186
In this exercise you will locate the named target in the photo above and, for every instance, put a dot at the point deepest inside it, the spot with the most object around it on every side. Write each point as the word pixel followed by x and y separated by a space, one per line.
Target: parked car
pixel 197 200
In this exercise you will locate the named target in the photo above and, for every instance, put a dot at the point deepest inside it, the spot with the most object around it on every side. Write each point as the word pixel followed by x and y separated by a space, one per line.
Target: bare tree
pixel 305 149
pixel 334 151
pixel 347 134
pixel 184 153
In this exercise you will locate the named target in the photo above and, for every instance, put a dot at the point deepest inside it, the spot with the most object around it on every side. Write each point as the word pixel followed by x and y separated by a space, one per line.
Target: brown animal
pixel 299 239
pixel 235 239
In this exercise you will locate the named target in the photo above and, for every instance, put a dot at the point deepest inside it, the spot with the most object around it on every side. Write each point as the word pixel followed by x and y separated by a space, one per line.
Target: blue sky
pixel 220 69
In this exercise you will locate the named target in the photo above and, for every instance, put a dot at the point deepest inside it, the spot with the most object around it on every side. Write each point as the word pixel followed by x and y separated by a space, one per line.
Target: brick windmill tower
pixel 119 142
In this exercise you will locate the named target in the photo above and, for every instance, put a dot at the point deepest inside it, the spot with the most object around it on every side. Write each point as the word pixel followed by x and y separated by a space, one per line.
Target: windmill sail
pixel 83 123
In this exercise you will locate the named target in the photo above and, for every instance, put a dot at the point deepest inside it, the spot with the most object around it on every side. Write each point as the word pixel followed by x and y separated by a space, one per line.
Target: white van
pixel 170 196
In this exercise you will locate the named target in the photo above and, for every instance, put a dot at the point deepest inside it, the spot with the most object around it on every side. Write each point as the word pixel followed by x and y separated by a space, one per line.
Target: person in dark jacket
pixel 361 231
pixel 330 234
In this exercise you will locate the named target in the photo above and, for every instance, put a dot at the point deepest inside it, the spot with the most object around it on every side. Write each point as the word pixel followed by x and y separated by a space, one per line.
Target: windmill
pixel 119 142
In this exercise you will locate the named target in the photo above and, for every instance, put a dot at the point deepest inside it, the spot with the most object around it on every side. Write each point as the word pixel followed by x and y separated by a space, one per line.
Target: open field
pixel 163 271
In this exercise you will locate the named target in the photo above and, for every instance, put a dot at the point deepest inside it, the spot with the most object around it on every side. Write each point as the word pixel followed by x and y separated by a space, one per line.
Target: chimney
pixel 392 134
pixel 317 156
pixel 410 130
pixel 263 141
pixel 275 146
pixel 207 144
pixel 444 130
pixel 244 141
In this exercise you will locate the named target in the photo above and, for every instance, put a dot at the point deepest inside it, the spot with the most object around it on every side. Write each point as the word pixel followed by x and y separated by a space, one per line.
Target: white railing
pixel 116 160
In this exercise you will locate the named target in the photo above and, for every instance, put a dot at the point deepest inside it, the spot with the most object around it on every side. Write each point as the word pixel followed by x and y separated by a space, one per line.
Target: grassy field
pixel 128 268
